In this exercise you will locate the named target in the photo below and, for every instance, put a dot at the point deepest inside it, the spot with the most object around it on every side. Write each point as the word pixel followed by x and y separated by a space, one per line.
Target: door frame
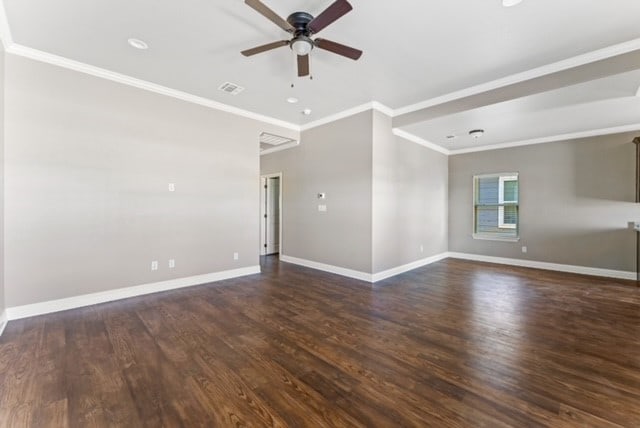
pixel 262 250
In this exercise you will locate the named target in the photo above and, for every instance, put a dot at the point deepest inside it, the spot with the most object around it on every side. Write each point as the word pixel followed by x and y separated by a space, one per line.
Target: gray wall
pixel 334 159
pixel 409 199
pixel 88 162
pixel 2 128
pixel 576 198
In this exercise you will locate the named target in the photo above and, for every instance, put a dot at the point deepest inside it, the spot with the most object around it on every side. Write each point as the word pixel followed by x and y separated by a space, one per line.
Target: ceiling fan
pixel 303 26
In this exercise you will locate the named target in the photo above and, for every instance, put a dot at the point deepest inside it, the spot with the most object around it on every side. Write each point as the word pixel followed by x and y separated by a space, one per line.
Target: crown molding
pixel 34 54
pixel 337 116
pixel 552 138
pixel 373 105
pixel 5 30
pixel 622 48
pixel 576 61
pixel 415 139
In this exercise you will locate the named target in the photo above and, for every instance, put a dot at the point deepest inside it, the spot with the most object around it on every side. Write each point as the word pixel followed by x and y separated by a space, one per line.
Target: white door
pixel 273 215
pixel 270 215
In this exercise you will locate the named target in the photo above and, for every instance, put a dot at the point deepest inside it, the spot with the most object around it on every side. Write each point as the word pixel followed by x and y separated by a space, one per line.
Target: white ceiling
pixel 414 50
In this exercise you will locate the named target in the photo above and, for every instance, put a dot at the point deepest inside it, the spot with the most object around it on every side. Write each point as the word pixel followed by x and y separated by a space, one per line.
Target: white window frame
pixel 508 176
pixel 501 181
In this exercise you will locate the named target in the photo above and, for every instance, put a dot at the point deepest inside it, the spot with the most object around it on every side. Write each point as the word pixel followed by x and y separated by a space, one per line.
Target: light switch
pixel 172 187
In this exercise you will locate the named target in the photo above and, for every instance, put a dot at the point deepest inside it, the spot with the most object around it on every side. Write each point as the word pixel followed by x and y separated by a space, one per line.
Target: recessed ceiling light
pixel 292 100
pixel 476 133
pixel 138 44
pixel 306 111
pixel 509 3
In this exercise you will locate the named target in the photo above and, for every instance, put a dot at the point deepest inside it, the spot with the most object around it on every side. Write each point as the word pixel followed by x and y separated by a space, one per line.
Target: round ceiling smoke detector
pixel 476 133
pixel 138 44
pixel 509 3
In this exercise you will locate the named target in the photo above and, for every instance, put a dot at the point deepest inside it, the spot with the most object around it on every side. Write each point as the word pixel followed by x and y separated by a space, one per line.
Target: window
pixel 495 208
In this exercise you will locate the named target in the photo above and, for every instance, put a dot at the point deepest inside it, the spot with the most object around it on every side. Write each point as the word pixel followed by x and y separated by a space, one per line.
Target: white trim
pixel 553 138
pixel 3 321
pixel 18 312
pixel 59 61
pixel 373 105
pixel 280 184
pixel 376 105
pixel 337 116
pixel 363 276
pixel 407 267
pixel 598 55
pixel 486 237
pixel 566 64
pixel 415 139
pixel 280 147
pixel 583 270
pixel 5 30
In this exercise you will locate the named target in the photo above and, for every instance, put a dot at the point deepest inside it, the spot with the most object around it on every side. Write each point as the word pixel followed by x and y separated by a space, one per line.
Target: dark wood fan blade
pixel 339 49
pixel 263 10
pixel 264 48
pixel 303 65
pixel 337 10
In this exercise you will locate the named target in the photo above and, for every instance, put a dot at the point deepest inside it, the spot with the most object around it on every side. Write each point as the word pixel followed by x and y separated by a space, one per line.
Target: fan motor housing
pixel 299 21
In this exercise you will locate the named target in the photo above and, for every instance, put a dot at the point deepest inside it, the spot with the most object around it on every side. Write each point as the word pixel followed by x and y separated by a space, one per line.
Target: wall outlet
pixel 154 265
pixel 172 263
pixel 172 187
pixel 236 256
pixel 524 249
pixel 322 208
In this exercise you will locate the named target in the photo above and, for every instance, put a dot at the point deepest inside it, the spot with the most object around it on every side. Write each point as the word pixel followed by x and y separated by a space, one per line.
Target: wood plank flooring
pixel 453 344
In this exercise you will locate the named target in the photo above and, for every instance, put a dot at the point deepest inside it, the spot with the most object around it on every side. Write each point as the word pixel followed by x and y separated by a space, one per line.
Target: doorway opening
pixel 270 214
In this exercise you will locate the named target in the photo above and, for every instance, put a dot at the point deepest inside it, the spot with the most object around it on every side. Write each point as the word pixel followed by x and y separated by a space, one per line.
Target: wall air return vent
pixel 231 88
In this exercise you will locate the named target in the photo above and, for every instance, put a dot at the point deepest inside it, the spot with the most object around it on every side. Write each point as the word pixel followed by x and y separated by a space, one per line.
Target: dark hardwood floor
pixel 454 344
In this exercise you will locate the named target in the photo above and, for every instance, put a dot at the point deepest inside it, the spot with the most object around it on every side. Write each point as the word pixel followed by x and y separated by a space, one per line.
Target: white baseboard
pixel 50 306
pixel 409 266
pixel 3 321
pixel 584 270
pixel 363 276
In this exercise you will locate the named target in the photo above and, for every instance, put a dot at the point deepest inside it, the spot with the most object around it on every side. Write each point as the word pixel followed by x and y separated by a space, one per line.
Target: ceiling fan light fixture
pixel 302 45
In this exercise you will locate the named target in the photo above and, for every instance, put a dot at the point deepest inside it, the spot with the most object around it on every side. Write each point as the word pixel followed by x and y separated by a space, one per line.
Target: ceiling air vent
pixel 231 88
pixel 269 141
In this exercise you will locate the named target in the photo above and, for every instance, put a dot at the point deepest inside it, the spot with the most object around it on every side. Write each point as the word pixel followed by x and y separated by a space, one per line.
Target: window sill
pixel 494 238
